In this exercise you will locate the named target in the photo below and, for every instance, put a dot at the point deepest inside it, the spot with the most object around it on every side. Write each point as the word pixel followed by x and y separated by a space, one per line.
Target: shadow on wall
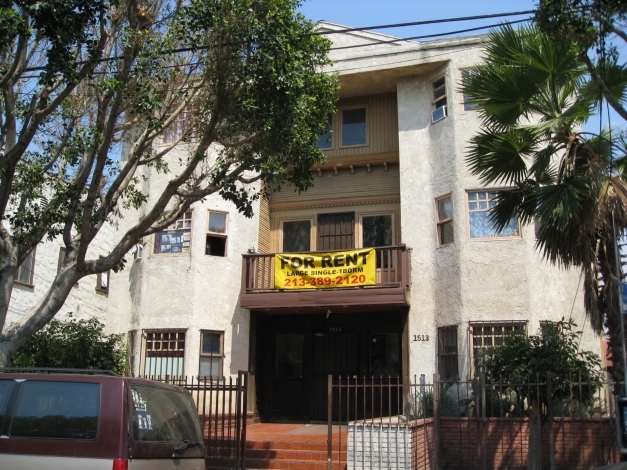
pixel 240 331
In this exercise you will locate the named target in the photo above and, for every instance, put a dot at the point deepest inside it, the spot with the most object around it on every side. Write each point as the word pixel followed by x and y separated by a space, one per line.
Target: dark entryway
pixel 296 353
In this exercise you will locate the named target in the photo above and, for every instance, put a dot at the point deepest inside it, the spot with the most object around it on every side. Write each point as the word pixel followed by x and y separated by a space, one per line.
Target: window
pixel 296 235
pixel 385 355
pixel 484 335
pixel 211 354
pixel 176 238
pixel 438 99
pixel 354 127
pixel 447 353
pixel 325 140
pixel 179 126
pixel 377 230
pixel 444 217
pixel 163 416
pixel 164 352
pixel 217 234
pixel 479 205
pixel 57 410
pixel 467 99
pixel 102 281
pixel 289 356
pixel 26 270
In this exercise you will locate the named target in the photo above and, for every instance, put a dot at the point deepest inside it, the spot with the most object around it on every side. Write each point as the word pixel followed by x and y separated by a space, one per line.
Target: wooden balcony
pixel 389 293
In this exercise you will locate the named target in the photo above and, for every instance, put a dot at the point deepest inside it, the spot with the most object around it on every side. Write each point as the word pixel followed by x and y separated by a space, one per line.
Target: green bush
pixel 77 344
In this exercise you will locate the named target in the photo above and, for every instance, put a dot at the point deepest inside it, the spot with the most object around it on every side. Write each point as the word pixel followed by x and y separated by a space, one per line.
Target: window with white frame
pixel 325 140
pixel 467 103
pixel 444 222
pixel 479 205
pixel 176 238
pixel 484 335
pixel 438 99
pixel 26 270
pixel 217 231
pixel 354 127
pixel 102 280
pixel 164 352
pixel 211 354
pixel 296 235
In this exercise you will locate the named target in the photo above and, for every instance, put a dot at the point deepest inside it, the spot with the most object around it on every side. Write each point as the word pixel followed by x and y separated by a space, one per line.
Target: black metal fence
pixel 475 424
pixel 222 405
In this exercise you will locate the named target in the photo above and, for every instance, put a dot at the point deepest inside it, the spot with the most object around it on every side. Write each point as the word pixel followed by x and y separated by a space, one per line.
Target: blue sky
pixel 360 13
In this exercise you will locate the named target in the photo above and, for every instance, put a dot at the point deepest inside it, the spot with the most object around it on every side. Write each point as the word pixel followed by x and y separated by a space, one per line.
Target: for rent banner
pixel 325 270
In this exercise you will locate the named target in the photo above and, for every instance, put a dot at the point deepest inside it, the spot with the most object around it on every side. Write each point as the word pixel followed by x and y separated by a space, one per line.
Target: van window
pixel 5 392
pixel 57 410
pixel 163 416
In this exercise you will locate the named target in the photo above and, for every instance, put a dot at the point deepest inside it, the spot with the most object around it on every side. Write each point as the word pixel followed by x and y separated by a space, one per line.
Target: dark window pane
pixel 217 222
pixel 289 356
pixel 446 233
pixel 211 343
pixel 296 236
pixel 210 367
pixel 163 416
pixel 385 355
pixel 354 126
pixel 445 209
pixel 216 246
pixel 324 140
pixel 377 231
pixel 58 410
pixel 5 392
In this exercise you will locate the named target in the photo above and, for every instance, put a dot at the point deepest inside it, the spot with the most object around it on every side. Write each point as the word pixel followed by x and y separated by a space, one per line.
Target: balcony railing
pixel 392 282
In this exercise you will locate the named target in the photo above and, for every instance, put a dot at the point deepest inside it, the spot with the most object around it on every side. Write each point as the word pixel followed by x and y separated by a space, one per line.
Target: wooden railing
pixel 392 269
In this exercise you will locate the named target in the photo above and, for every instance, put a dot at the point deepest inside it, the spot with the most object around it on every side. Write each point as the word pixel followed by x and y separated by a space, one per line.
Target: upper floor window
pixel 354 127
pixel 26 270
pixel 480 226
pixel 102 280
pixel 217 234
pixel 179 127
pixel 438 99
pixel 176 238
pixel 325 140
pixel 444 214
pixel 467 103
pixel 296 235
pixel 378 230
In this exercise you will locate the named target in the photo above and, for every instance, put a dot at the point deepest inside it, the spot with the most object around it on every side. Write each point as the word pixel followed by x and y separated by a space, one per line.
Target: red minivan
pixel 70 419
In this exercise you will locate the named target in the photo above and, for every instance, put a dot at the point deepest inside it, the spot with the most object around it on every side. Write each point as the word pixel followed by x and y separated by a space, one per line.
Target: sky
pixel 361 13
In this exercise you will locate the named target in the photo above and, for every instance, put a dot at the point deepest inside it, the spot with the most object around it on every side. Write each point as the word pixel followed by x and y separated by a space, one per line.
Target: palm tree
pixel 533 97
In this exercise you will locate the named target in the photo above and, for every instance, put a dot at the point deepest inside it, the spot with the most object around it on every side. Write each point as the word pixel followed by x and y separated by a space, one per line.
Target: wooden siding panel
pixel 345 184
pixel 263 241
pixel 382 122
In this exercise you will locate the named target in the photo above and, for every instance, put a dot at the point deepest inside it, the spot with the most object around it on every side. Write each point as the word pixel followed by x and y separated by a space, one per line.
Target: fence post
pixel 238 416
pixel 245 418
pixel 484 437
pixel 549 401
pixel 436 420
pixel 330 420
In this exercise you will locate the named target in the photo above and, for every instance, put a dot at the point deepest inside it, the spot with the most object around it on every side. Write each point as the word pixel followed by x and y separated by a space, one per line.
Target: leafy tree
pixel 532 96
pixel 83 81
pixel 78 344
pixel 592 25
pixel 524 360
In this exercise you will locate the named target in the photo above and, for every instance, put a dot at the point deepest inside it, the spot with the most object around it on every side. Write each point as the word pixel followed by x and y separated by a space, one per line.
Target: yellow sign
pixel 325 270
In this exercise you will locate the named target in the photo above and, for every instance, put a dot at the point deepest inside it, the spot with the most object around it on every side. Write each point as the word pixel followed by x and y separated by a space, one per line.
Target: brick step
pixel 290 465
pixel 274 454
pixel 297 446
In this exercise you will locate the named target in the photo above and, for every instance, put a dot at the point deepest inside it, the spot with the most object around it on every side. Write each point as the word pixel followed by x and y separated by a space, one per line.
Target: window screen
pixel 57 410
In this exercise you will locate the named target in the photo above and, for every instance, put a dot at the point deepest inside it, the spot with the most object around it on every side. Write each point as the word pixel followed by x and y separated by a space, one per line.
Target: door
pixel 336 354
pixel 336 231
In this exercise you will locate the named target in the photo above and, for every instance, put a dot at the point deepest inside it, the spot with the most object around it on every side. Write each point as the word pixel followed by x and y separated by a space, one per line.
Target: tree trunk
pixel 534 452
pixel 8 268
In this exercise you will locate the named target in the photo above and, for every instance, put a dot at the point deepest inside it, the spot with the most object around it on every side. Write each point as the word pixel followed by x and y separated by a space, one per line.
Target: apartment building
pixel 201 298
